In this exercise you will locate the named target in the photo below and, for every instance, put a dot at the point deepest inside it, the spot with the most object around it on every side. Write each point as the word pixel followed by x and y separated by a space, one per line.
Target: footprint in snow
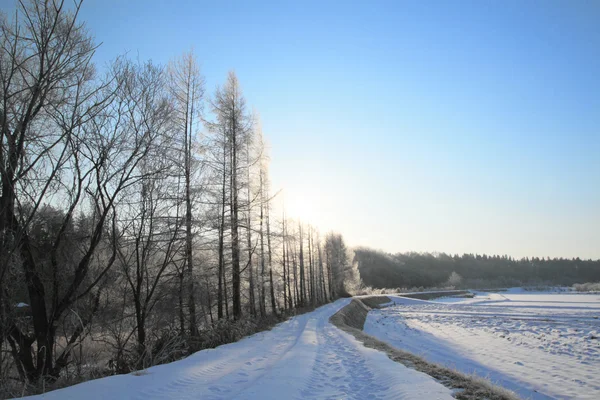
pixel 519 363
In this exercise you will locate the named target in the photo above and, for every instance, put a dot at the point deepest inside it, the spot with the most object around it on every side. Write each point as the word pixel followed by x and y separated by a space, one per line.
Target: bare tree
pixel 303 288
pixel 267 206
pixel 250 247
pixel 222 290
pixel 187 88
pixel 311 281
pixel 323 290
pixel 48 100
pixel 113 212
pixel 263 307
pixel 229 107
pixel 285 263
pixel 218 155
pixel 149 222
pixel 69 140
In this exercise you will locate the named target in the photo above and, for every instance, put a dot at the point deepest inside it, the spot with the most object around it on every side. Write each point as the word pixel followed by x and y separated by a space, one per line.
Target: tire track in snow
pixel 251 387
pixel 206 377
pixel 340 371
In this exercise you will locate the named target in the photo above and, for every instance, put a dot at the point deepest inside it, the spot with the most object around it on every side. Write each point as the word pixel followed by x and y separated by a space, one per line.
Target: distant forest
pixel 413 270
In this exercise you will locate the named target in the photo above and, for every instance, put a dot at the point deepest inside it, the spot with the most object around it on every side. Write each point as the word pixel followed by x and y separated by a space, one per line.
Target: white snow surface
pixel 303 358
pixel 540 345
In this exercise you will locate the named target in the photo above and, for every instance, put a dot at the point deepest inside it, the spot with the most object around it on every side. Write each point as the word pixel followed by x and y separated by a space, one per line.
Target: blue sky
pixel 456 126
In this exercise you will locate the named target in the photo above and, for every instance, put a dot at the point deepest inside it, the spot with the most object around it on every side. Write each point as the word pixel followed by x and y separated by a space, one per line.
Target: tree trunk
pixel 302 274
pixel 210 306
pixel 297 298
pixel 263 306
pixel 235 240
pixel 181 304
pixel 273 302
pixel 220 272
pixel 330 275
pixel 311 271
pixel 250 267
pixel 285 283
pixel 141 330
pixel 322 274
pixel 222 236
pixel 289 278
pixel 188 226
pixel 226 297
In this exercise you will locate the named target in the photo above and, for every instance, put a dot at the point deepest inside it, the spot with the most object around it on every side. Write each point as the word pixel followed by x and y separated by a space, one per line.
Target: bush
pixel 170 346
pixel 227 331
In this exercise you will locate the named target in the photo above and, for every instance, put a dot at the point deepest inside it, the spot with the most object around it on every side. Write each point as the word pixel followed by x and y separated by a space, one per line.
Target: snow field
pixel 539 345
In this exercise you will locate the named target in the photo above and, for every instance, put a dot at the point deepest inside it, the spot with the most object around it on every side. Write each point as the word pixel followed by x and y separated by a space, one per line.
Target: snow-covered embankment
pixel 304 357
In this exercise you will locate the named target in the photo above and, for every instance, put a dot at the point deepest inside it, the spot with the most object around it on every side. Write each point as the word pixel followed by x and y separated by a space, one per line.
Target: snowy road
pixel 303 358
pixel 541 345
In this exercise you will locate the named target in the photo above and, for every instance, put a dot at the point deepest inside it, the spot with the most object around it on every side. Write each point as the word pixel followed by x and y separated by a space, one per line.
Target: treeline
pixel 415 270
pixel 136 218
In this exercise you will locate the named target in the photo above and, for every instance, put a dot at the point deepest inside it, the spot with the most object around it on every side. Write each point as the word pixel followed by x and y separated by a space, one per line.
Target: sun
pixel 301 206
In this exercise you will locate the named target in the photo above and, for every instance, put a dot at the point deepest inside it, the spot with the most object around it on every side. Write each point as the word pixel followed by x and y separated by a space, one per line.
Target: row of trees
pixel 135 210
pixel 408 270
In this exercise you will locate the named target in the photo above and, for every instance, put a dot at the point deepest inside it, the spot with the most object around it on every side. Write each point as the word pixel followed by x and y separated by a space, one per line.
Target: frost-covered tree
pixel 232 118
pixel 339 268
pixel 454 280
pixel 187 89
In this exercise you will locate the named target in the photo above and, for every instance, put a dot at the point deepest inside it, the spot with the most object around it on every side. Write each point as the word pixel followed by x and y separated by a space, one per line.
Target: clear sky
pixel 407 125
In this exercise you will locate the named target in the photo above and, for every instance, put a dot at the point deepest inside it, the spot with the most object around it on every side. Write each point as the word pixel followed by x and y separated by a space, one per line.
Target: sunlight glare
pixel 302 207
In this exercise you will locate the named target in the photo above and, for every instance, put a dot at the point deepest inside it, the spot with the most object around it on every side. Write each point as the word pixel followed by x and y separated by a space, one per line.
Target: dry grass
pixel 140 372
pixel 351 319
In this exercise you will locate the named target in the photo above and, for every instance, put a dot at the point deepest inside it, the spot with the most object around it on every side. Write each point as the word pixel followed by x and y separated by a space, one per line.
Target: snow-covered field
pixel 541 345
pixel 303 358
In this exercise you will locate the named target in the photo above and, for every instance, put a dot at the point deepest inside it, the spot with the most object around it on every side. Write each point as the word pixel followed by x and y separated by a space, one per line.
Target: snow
pixel 305 357
pixel 538 344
